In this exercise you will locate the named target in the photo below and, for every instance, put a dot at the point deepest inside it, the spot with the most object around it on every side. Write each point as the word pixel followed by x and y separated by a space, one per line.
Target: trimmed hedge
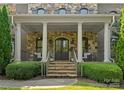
pixel 102 72
pixel 23 70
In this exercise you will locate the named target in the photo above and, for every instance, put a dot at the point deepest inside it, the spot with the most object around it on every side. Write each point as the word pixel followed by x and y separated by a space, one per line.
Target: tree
pixel 5 39
pixel 120 44
pixel 1 43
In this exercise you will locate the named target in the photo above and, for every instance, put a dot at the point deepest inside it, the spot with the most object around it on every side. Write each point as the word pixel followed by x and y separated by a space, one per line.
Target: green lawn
pixel 66 88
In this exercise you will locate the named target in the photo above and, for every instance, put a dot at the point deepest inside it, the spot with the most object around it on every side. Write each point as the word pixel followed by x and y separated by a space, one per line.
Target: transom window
pixel 62 11
pixel 83 11
pixel 41 11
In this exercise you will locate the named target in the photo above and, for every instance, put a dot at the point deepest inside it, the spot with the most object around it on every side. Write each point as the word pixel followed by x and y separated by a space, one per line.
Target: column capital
pixel 106 22
pixel 44 22
pixel 80 22
pixel 18 24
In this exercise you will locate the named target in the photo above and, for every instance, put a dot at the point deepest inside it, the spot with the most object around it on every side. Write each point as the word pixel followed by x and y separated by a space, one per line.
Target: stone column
pixel 44 48
pixel 18 43
pixel 79 45
pixel 106 42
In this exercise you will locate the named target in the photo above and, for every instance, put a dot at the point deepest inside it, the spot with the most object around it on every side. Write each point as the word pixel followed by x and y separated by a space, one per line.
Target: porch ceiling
pixel 63 27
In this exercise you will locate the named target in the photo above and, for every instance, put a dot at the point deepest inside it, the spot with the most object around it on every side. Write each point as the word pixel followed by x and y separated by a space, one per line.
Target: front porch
pixel 90 37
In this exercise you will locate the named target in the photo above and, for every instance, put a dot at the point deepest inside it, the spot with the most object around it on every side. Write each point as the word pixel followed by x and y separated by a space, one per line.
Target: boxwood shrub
pixel 23 70
pixel 102 72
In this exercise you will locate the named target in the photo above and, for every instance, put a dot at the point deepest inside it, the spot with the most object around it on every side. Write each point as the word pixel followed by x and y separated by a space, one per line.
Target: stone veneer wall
pixel 31 41
pixel 68 35
pixel 52 7
pixel 73 8
pixel 92 40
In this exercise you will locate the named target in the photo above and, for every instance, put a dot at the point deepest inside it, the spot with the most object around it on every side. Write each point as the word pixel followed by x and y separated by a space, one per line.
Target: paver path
pixel 43 83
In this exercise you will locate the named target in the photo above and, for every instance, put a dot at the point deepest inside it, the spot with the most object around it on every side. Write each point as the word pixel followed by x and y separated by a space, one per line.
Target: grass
pixel 65 88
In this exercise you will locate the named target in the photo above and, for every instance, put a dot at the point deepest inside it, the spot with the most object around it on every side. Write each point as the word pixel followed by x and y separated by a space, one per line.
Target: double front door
pixel 61 49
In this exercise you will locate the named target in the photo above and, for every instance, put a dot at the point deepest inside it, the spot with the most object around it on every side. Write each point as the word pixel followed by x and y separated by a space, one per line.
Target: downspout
pixel 113 21
pixel 12 20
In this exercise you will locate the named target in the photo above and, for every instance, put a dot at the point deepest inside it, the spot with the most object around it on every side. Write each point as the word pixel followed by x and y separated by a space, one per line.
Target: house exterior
pixel 58 29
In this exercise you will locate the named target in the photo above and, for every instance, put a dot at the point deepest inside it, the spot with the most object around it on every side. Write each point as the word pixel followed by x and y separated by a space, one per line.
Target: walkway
pixel 43 83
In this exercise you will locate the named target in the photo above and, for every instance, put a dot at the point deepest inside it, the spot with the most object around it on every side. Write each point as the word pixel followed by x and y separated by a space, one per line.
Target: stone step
pixel 61 71
pixel 61 68
pixel 61 75
pixel 61 65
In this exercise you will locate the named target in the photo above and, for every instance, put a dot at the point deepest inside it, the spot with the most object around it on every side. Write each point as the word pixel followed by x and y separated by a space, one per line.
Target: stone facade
pixel 72 8
pixel 31 41
pixel 92 42
pixel 52 36
pixel 51 8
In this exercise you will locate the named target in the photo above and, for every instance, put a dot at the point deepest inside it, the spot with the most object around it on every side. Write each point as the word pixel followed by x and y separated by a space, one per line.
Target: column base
pixel 107 60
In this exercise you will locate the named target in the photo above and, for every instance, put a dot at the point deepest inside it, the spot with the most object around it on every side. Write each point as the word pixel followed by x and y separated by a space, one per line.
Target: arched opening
pixel 83 11
pixel 40 11
pixel 113 12
pixel 61 49
pixel 62 11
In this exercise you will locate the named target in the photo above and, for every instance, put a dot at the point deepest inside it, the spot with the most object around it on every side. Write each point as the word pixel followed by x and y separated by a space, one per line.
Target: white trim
pixel 106 42
pixel 24 18
pixel 79 45
pixel 18 43
pixel 66 15
pixel 44 49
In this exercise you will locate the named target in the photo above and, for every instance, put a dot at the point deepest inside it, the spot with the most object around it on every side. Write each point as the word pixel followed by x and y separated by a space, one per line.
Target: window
pixel 62 11
pixel 113 12
pixel 83 11
pixel 85 44
pixel 39 45
pixel 41 11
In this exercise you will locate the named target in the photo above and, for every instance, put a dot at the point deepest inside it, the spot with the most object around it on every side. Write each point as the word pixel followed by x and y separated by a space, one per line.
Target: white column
pixel 44 48
pixel 79 45
pixel 106 42
pixel 18 43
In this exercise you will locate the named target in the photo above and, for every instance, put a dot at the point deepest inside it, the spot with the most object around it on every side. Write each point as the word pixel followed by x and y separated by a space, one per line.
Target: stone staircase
pixel 61 69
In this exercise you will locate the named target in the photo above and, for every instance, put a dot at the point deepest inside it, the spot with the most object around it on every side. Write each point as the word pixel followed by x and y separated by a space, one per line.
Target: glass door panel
pixel 62 49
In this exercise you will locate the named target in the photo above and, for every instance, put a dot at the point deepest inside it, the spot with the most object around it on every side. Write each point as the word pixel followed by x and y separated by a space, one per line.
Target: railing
pixel 75 61
pixel 112 60
pixel 79 68
pixel 44 67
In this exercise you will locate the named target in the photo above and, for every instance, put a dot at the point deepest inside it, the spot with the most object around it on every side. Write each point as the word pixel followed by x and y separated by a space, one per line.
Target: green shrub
pixel 119 48
pixel 5 39
pixel 23 70
pixel 102 72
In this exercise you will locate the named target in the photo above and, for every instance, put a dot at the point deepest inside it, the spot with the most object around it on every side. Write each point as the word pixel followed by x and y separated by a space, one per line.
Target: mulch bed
pixel 87 80
pixel 3 78
pixel 34 78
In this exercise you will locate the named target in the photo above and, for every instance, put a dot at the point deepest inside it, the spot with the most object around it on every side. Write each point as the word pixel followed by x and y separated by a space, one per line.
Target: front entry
pixel 62 49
